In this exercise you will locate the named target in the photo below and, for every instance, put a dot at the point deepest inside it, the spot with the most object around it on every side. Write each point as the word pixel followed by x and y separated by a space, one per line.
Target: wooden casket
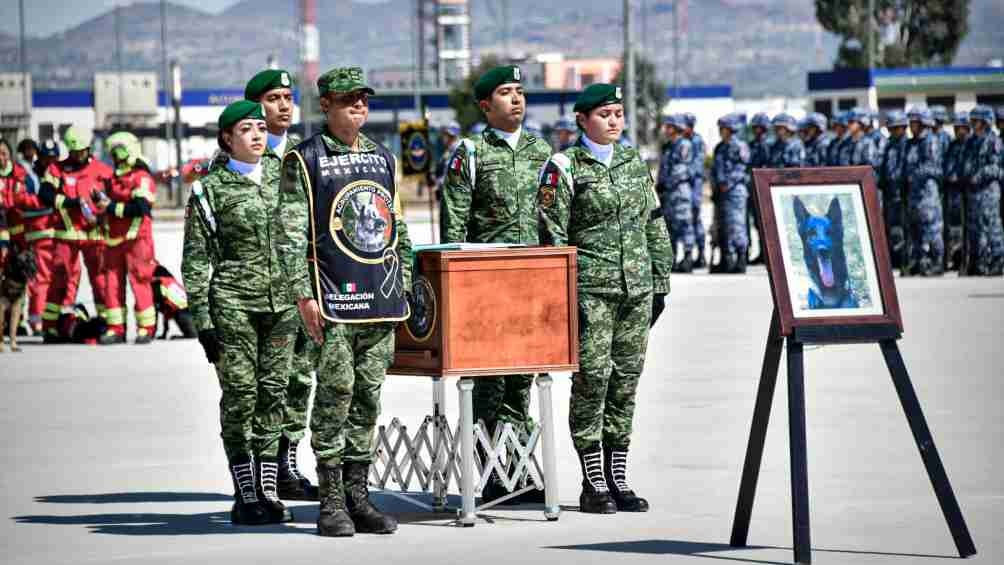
pixel 491 311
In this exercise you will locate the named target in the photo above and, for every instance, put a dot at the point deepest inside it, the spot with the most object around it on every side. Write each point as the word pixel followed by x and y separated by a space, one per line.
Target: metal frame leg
pixel 466 388
pixel 440 458
pixel 551 507
pixel 796 445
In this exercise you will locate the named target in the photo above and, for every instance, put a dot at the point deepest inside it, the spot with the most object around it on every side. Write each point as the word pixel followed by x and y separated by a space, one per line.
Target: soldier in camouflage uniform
pixel 817 139
pixel 697 179
pixel 840 137
pixel 347 258
pixel 729 180
pixel 490 196
pixel 759 148
pixel 599 196
pixel 952 202
pixel 676 192
pixel 892 185
pixel 940 115
pixel 787 151
pixel 858 148
pixel 983 175
pixel 241 309
pixel 925 245
pixel 273 88
pixel 873 130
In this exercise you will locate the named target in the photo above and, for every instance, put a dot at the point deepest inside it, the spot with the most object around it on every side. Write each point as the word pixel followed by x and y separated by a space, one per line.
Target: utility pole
pixel 871 34
pixel 629 74
pixel 118 57
pixel 417 59
pixel 310 52
pixel 164 74
pixel 178 133
pixel 25 95
pixel 676 47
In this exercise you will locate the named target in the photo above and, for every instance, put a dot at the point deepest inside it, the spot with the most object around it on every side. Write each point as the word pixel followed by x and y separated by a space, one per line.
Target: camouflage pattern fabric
pixel 858 151
pixel 892 178
pixel 836 151
pixel 675 191
pixel 490 196
pixel 924 174
pixel 730 164
pixel 952 195
pixel 984 172
pixel 879 142
pixel 816 150
pixel 787 153
pixel 351 368
pixel 697 180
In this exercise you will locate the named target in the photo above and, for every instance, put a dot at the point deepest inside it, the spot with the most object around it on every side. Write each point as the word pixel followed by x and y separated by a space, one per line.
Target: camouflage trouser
pixel 927 245
pixel 504 399
pixel 253 372
pixel 613 337
pixel 697 197
pixel 301 379
pixel 680 216
pixel 953 219
pixel 986 241
pixel 892 210
pixel 732 215
pixel 350 372
pixel 751 217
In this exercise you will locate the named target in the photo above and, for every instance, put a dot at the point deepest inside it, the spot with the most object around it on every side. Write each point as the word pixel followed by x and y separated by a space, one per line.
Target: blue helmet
pixel 895 119
pixel 840 119
pixel 939 113
pixel 982 112
pixel 920 114
pixel 961 119
pixel 49 148
pixel 533 127
pixel 760 119
pixel 677 121
pixel 786 121
pixel 565 123
pixel 729 122
pixel 690 118
pixel 452 128
pixel 804 124
pixel 859 115
pixel 999 112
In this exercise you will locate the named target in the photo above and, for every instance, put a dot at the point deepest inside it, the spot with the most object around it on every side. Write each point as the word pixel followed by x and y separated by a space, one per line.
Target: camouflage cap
pixel 488 82
pixel 266 80
pixel 596 95
pixel 760 119
pixel 786 121
pixel 961 119
pixel 238 111
pixel 77 139
pixel 896 119
pixel 982 113
pixel 343 79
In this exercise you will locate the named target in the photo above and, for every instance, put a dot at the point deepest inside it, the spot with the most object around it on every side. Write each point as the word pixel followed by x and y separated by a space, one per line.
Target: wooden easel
pixel 886 336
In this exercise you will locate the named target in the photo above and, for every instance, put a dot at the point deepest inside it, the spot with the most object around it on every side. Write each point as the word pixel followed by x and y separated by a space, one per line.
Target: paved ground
pixel 112 455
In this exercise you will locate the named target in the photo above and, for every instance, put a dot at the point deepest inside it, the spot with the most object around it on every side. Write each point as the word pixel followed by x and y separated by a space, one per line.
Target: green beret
pixel 494 78
pixel 266 80
pixel 240 110
pixel 343 79
pixel 596 95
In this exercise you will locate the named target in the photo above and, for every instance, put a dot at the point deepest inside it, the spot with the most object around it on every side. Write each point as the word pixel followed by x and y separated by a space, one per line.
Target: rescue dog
pixel 369 225
pixel 825 260
pixel 20 269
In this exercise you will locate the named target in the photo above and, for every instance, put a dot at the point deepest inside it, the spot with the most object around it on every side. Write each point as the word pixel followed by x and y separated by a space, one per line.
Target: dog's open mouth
pixel 825 264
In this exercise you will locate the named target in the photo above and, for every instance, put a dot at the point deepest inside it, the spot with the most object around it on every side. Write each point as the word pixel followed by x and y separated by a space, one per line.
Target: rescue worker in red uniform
pixel 171 301
pixel 129 237
pixel 29 220
pixel 75 181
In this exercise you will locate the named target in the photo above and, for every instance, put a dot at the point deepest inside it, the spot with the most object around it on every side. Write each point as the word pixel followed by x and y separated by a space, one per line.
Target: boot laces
pixel 269 478
pixel 618 470
pixel 594 471
pixel 244 473
pixel 291 467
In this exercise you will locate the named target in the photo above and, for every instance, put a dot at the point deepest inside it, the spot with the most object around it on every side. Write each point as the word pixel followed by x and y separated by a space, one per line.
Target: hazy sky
pixel 45 17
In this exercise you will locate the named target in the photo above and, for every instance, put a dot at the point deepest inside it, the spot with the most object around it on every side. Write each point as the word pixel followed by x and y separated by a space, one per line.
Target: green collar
pixel 6 171
pixel 366 145
pixel 525 140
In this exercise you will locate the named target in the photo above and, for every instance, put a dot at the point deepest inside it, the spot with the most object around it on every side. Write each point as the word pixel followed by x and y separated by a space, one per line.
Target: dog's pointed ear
pixel 800 212
pixel 835 214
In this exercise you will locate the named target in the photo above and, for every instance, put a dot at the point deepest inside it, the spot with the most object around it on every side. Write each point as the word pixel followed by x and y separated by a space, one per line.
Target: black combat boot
pixel 186 324
pixel 247 509
pixel 333 518
pixel 292 484
pixel 615 473
pixel 701 262
pixel 268 472
pixel 595 497
pixel 739 266
pixel 365 516
pixel 686 265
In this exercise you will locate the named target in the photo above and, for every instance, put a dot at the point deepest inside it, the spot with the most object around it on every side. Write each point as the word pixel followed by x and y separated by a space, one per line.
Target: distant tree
pixel 651 95
pixel 461 95
pixel 906 33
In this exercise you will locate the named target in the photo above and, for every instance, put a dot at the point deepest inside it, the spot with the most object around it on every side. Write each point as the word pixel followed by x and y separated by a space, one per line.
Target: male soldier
pixel 676 191
pixel 490 196
pixel 892 185
pixel 926 247
pixel 983 174
pixel 273 88
pixel 566 130
pixel 787 152
pixel 817 139
pixel 68 187
pixel 873 130
pixel 698 181
pixel 728 177
pixel 858 149
pixel 759 148
pixel 840 137
pixel 450 135
pixel 952 202
pixel 347 256
pixel 940 115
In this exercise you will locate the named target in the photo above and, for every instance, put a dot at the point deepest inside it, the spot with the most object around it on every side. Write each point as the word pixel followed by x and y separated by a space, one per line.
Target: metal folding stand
pixel 437 456
pixel 886 337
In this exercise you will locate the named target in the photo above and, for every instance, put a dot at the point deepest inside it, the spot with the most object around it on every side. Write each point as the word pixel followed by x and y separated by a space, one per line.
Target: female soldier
pixel 245 319
pixel 599 196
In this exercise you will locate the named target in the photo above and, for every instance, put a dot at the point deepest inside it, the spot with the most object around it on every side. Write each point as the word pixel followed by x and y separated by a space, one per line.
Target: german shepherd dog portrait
pixel 20 269
pixel 823 251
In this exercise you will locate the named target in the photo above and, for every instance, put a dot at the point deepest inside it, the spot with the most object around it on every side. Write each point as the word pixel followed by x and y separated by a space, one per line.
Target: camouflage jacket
pixel 860 151
pixel 291 222
pixel 229 259
pixel 698 155
pixel 892 172
pixel 612 215
pixel 760 152
pixel 944 142
pixel 730 166
pixel 490 192
pixel 817 149
pixel 923 159
pixel 983 160
pixel 837 147
pixel 879 142
pixel 677 165
pixel 954 159
pixel 787 153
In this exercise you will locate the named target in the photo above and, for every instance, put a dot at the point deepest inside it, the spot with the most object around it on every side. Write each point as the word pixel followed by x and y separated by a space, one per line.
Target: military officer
pixel 245 319
pixel 940 115
pixel 983 175
pixel 346 256
pixel 873 130
pixel 858 148
pixel 892 185
pixel 676 191
pixel 952 201
pixel 787 152
pixel 759 149
pixel 599 196
pixel 817 139
pixel 697 179
pixel 839 142
pixel 490 196
pixel 729 180
pixel 924 174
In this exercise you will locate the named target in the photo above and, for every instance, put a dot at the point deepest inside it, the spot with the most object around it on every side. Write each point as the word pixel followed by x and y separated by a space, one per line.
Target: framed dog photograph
pixel 826 248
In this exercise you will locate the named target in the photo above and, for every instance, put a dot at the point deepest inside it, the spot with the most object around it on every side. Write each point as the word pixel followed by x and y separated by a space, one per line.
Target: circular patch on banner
pixel 362 221
pixel 424 311
pixel 417 151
